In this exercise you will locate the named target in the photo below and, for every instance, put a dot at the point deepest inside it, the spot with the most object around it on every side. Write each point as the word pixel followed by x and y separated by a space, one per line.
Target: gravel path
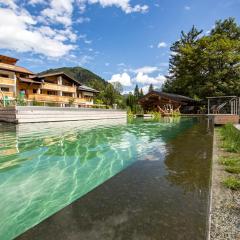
pixel 225 204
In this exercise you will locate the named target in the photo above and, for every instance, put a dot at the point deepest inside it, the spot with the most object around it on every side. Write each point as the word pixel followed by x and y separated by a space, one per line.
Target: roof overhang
pixel 27 80
pixel 8 60
pixel 58 74
pixel 13 68
pixel 170 96
pixel 87 89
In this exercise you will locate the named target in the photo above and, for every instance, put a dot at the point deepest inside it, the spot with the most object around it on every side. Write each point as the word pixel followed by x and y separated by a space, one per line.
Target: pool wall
pixel 30 114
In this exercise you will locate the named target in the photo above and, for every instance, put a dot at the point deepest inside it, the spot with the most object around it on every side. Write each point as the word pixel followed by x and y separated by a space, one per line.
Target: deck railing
pixel 56 87
pixel 6 81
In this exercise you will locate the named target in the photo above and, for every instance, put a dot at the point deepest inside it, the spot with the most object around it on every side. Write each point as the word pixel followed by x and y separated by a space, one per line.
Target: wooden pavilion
pixel 166 103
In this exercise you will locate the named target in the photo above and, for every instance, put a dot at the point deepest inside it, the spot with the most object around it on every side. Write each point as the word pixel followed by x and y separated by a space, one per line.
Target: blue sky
pixel 120 40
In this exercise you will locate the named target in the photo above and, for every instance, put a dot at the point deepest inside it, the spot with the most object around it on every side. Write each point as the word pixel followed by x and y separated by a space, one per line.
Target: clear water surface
pixel 161 174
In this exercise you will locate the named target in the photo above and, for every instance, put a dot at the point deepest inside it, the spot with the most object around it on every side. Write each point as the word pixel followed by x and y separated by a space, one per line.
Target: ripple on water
pixel 44 167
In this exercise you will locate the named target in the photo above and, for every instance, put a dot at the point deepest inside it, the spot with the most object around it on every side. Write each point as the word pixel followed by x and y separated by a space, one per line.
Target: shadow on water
pixel 162 195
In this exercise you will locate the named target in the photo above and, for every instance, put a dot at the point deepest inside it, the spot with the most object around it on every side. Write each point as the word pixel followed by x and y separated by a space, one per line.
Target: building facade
pixel 58 89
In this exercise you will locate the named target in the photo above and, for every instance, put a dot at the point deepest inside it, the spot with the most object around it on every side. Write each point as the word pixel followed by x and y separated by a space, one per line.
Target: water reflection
pixel 45 167
pixel 156 198
pixel 194 152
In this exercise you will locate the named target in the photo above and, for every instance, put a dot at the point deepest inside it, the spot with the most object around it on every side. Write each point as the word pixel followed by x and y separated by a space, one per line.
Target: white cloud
pixel 162 45
pixel 187 8
pixel 84 60
pixel 59 11
pixel 121 64
pixel 83 20
pixel 123 4
pixel 146 69
pixel 50 32
pixel 146 79
pixel 123 78
pixel 145 89
pixel 10 3
pixel 18 32
pixel 34 2
pixel 87 41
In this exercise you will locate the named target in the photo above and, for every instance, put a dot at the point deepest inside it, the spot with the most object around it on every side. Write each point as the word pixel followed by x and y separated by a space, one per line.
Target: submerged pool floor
pixel 159 190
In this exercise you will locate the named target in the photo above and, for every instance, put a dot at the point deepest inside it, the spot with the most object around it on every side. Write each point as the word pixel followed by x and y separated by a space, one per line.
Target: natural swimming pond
pixel 155 174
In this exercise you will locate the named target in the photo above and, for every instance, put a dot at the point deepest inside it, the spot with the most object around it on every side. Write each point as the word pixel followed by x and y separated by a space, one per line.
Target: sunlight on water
pixel 45 167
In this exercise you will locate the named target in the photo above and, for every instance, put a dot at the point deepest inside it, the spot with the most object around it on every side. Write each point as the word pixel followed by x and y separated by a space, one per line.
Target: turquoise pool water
pixel 45 167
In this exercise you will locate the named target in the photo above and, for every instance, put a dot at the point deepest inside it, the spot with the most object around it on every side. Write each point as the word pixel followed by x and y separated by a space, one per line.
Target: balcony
pixel 48 98
pixel 6 81
pixel 82 101
pixel 55 99
pixel 7 94
pixel 56 87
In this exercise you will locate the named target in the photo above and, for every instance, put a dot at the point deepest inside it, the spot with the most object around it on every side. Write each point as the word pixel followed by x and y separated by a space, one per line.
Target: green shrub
pixel 233 169
pixel 156 116
pixel 137 109
pixel 176 114
pixel 231 138
pixel 232 182
pixel 230 161
pixel 20 101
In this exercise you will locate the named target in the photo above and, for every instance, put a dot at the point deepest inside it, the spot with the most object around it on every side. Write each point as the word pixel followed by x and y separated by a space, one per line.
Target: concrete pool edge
pixel 214 155
pixel 35 114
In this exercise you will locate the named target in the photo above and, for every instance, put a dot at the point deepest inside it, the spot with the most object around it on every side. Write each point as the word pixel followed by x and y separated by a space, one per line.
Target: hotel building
pixel 58 88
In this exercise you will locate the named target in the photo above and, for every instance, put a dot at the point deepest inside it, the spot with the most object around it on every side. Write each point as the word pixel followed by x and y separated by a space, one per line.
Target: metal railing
pixel 24 102
pixel 224 105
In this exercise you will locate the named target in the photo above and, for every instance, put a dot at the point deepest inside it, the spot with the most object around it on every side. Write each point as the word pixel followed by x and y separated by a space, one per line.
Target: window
pixel 4 89
pixel 51 92
pixel 34 90
pixel 66 94
pixel 4 75
pixel 23 75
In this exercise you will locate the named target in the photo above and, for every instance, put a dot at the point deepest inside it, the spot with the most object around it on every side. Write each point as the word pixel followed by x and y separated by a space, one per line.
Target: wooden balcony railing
pixel 56 87
pixel 6 81
pixel 81 100
pixel 7 94
pixel 55 99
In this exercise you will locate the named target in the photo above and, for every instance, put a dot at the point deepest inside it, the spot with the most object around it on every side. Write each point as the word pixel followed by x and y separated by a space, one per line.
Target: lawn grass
pixel 230 161
pixel 233 169
pixel 231 143
pixel 231 138
pixel 232 182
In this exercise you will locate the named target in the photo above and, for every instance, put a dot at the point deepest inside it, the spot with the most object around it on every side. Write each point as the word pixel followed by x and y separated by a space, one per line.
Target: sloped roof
pixel 87 89
pixel 172 96
pixel 57 74
pixel 8 60
pixel 29 80
pixel 14 68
